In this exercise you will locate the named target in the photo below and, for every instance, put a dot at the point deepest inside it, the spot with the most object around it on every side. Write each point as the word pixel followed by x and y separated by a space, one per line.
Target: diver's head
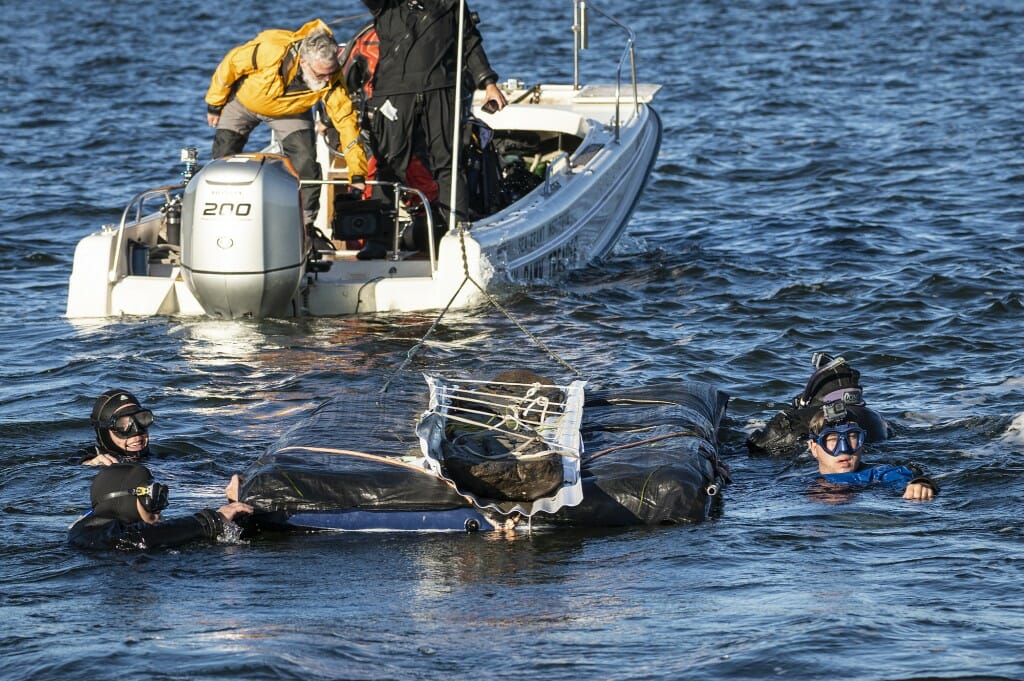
pixel 318 59
pixel 121 423
pixel 836 440
pixel 126 491
pixel 833 379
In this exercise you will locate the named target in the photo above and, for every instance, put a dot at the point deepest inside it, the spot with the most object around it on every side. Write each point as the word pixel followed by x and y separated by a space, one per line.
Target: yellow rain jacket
pixel 258 73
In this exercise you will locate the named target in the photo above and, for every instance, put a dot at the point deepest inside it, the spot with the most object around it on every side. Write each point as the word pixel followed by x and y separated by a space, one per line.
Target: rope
pixel 512 407
pixel 512 422
pixel 414 349
pixel 491 299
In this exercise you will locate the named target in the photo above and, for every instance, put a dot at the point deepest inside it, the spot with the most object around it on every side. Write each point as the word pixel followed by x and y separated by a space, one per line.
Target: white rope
pixel 512 420
pixel 565 451
pixel 512 407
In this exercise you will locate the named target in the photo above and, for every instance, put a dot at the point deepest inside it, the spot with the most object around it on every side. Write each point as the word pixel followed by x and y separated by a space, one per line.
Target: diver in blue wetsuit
pixel 836 441
pixel 126 506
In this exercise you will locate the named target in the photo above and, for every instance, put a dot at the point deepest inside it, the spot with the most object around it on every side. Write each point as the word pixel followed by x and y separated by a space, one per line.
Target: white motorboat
pixel 229 241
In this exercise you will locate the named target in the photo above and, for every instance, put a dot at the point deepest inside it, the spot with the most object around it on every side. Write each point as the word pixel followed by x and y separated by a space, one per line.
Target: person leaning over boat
pixel 126 506
pixel 413 102
pixel 276 78
pixel 122 430
pixel 836 442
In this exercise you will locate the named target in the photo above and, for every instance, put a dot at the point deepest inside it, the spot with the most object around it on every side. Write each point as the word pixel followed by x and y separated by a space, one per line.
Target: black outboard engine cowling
pixel 243 242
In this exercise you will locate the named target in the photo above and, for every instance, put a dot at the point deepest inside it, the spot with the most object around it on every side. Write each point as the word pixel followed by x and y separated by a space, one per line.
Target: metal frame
pixel 580 42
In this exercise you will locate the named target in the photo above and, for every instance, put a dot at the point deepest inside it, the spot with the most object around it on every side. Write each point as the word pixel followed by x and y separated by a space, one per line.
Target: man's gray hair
pixel 319 47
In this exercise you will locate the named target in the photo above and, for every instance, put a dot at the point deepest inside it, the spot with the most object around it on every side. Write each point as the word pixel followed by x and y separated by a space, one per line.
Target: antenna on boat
pixel 457 127
pixel 579 38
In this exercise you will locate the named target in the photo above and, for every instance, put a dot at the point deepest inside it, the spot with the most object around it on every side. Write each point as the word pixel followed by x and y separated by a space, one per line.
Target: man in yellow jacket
pixel 277 78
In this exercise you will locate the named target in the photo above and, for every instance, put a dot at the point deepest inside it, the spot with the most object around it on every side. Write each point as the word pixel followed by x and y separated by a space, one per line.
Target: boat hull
pixel 573 219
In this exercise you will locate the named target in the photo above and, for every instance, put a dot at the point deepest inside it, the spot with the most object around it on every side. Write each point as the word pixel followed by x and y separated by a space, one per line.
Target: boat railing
pixel 399 191
pixel 137 202
pixel 549 170
pixel 580 42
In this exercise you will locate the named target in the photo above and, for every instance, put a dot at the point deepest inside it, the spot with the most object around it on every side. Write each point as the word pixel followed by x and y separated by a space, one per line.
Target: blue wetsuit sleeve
pixel 893 477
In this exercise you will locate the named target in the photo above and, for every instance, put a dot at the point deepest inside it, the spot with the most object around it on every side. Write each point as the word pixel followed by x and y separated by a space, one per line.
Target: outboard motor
pixel 243 244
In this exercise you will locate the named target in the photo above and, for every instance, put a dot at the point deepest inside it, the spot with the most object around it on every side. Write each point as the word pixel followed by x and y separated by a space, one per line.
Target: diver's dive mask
pixel 128 425
pixel 839 435
pixel 153 496
pixel 848 438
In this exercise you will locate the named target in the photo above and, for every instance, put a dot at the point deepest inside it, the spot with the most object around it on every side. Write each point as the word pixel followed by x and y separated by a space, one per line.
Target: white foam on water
pixel 1014 435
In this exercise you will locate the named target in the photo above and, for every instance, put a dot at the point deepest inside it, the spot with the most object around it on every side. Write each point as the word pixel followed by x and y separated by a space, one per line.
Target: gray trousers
pixel 295 133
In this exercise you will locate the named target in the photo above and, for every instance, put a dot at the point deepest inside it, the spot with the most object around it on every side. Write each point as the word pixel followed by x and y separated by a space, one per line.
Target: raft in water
pixel 637 456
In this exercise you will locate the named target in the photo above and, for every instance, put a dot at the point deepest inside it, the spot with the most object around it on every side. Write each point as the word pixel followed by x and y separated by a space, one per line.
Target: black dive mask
pixel 131 424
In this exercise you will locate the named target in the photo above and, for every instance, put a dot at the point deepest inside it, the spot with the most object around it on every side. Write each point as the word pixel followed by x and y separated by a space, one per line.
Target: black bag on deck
pixel 355 219
pixel 483 171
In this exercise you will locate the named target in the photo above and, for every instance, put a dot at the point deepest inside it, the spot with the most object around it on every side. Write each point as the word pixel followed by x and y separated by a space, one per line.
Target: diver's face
pixel 843 463
pixel 838 448
pixel 146 516
pixel 132 444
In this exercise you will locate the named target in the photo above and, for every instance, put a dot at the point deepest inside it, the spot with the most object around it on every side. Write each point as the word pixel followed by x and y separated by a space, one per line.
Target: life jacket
pixel 358 64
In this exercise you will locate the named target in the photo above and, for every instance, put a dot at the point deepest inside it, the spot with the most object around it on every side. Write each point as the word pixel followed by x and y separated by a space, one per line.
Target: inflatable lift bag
pixel 666 474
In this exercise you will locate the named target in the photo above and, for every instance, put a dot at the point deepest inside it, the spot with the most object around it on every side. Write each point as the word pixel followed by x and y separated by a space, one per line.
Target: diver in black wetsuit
pixel 126 506
pixel 833 379
pixel 122 430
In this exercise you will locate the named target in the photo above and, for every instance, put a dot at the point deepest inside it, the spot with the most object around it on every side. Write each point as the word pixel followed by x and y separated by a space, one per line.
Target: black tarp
pixel 650 457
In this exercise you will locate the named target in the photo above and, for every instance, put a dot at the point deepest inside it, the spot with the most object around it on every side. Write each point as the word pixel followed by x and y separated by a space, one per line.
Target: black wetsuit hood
pixel 117 401
pixel 833 379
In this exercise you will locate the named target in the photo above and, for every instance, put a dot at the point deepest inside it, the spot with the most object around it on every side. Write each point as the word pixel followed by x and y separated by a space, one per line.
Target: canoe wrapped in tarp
pixel 651 456
pixel 646 455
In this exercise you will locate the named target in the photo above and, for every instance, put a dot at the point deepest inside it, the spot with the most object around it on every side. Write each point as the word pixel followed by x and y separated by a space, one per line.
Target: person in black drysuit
pixel 126 506
pixel 122 430
pixel 833 379
pixel 413 102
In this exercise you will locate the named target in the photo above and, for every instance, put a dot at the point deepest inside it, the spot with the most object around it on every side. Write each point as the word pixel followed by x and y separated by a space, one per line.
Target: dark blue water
pixel 837 175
